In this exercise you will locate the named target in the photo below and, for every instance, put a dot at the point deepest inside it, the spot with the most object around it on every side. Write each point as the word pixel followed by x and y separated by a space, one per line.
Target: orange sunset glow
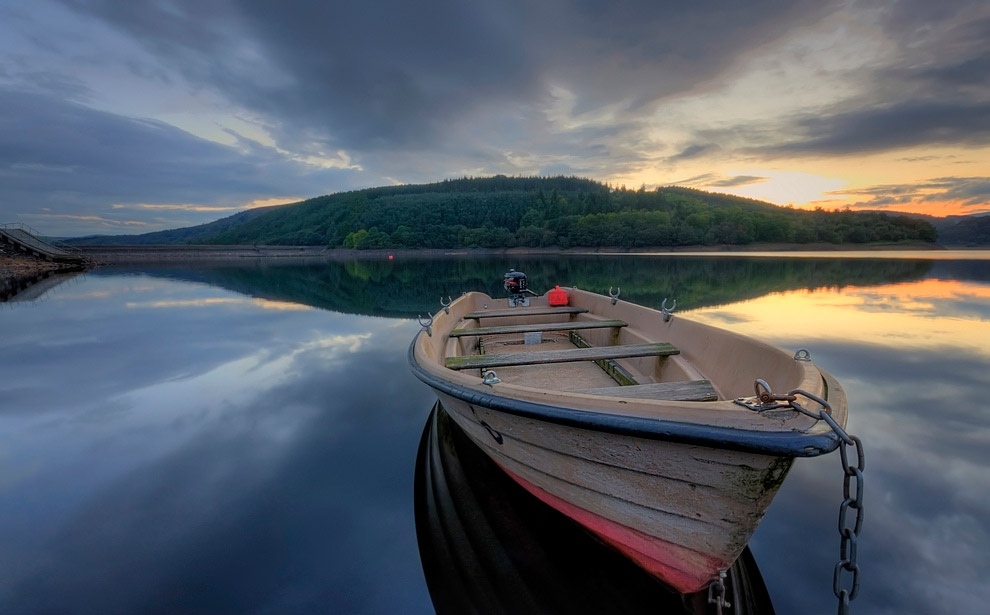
pixel 930 309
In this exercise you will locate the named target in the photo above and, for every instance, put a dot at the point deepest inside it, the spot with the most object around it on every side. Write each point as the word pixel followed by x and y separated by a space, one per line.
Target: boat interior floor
pixel 554 376
pixel 588 377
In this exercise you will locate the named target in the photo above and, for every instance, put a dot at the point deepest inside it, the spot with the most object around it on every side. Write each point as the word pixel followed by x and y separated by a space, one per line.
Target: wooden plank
pixel 526 312
pixel 561 356
pixel 686 390
pixel 546 326
pixel 613 369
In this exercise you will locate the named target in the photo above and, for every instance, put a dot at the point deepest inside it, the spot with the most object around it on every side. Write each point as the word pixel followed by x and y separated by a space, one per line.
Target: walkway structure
pixel 26 239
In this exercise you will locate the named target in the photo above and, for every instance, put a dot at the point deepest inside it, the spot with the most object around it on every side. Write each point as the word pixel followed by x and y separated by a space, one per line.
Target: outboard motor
pixel 515 284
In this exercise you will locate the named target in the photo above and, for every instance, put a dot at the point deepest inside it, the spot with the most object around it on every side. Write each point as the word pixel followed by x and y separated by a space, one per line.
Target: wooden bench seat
pixel 531 328
pixel 544 311
pixel 561 356
pixel 686 390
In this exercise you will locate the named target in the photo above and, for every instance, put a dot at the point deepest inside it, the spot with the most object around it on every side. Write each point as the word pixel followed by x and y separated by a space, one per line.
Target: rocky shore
pixel 108 255
pixel 16 264
pixel 20 271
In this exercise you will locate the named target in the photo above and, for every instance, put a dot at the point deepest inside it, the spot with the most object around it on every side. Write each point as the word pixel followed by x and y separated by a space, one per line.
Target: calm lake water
pixel 244 439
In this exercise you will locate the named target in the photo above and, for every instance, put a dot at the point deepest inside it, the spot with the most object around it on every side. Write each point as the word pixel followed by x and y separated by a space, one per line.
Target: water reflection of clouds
pixel 187 303
pixel 94 289
pixel 96 349
pixel 913 359
pixel 217 477
pixel 931 297
pixel 932 314
pixel 727 317
pixel 266 304
pixel 230 457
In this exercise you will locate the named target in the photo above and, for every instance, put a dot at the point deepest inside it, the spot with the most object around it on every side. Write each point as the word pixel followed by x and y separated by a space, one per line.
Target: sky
pixel 129 117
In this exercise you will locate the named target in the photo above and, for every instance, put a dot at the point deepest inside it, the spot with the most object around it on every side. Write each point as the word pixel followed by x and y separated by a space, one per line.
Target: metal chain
pixel 849 531
pixel 852 494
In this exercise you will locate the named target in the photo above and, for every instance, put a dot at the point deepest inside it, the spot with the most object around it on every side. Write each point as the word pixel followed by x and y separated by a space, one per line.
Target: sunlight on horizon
pixel 929 314
pixel 786 187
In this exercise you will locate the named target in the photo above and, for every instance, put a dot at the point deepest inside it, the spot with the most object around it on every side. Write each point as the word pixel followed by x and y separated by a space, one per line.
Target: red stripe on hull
pixel 685 570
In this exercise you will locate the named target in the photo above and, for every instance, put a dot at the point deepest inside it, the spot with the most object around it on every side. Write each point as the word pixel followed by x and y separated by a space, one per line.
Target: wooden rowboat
pixel 630 421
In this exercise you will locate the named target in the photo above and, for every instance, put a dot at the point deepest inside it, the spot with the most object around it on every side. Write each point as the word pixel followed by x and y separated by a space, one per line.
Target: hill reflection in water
pixel 488 546
pixel 405 288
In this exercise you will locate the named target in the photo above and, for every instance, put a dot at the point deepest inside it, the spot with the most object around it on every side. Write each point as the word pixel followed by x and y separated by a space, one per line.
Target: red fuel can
pixel 557 296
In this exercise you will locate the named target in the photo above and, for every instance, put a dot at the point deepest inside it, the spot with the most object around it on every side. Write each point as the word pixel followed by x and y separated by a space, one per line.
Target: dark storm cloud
pixel 972 192
pixel 57 84
pixel 720 181
pixel 415 92
pixel 738 180
pixel 932 89
pixel 967 72
pixel 935 91
pixel 694 151
pixel 77 161
pixel 399 74
pixel 893 126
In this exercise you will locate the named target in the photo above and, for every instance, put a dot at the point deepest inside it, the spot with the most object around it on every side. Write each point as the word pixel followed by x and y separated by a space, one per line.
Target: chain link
pixel 852 498
pixel 849 531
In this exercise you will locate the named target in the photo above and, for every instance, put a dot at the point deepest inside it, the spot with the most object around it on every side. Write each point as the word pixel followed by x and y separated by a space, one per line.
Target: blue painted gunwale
pixel 819 440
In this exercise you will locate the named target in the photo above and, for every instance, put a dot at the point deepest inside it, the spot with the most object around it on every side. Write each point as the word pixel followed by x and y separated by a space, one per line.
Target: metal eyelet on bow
pixel 764 398
pixel 490 378
pixel 762 388
pixel 802 354
pixel 614 297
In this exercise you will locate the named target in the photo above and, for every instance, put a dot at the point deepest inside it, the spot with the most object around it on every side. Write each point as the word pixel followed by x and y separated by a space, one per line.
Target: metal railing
pixel 49 241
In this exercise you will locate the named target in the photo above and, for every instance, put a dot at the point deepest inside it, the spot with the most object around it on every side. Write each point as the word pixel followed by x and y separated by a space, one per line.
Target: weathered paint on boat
pixel 680 567
pixel 488 548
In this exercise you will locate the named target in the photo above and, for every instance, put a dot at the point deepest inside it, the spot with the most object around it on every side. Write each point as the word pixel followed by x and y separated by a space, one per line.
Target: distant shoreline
pixel 18 266
pixel 111 254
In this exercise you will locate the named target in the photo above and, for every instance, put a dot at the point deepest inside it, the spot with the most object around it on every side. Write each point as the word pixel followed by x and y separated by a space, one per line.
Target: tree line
pixel 502 212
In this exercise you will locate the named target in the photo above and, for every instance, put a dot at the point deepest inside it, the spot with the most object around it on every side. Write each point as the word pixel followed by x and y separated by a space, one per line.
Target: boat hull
pixel 682 512
pixel 487 547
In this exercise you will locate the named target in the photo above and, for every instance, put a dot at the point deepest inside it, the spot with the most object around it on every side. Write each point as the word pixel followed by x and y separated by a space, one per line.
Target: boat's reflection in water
pixel 488 546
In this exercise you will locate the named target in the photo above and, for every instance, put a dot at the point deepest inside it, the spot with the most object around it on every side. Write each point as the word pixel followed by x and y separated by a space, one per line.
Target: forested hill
pixel 966 231
pixel 502 212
